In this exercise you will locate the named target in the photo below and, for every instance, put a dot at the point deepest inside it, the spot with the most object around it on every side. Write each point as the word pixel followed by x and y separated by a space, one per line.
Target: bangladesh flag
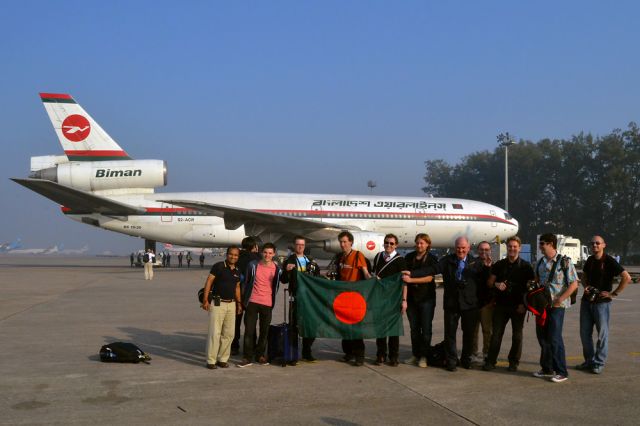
pixel 349 310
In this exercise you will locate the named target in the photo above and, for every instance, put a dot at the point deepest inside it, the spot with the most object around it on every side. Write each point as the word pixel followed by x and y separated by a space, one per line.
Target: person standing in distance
pixel 148 264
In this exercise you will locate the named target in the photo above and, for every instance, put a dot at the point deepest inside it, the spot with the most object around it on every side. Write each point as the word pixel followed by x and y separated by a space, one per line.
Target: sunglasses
pixel 595 243
pixel 389 243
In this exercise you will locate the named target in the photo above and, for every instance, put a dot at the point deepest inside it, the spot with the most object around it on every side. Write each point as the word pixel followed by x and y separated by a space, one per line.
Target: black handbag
pixel 201 295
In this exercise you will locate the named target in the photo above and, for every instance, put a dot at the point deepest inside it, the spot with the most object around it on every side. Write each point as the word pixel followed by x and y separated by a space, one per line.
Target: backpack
pixel 123 352
pixel 146 258
pixel 437 356
pixel 537 299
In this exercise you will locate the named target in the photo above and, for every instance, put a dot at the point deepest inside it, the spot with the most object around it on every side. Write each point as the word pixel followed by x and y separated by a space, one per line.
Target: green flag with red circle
pixel 349 310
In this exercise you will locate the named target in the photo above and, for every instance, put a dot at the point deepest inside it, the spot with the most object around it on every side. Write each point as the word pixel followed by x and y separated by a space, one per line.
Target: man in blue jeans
pixel 550 271
pixel 598 273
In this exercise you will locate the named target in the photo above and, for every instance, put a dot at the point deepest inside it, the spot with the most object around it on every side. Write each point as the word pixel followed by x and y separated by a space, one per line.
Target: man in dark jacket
pixel 248 253
pixel 385 264
pixel 462 274
pixel 508 279
pixel 302 263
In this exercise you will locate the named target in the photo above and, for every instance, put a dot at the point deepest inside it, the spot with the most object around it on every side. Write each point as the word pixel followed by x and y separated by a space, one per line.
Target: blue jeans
pixel 552 354
pixel 594 314
pixel 420 316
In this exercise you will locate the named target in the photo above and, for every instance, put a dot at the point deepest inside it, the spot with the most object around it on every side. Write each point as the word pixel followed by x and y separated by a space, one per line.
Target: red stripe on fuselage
pixel 168 209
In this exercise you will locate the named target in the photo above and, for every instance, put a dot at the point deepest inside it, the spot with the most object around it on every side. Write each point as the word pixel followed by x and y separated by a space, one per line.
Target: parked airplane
pixel 48 250
pixel 97 183
pixel 84 249
pixel 7 247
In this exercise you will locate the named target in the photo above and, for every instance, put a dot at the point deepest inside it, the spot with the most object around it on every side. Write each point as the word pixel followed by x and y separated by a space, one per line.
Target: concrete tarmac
pixel 55 313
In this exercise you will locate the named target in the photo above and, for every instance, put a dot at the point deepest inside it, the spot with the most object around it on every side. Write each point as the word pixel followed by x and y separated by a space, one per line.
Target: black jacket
pixel 395 265
pixel 418 293
pixel 459 295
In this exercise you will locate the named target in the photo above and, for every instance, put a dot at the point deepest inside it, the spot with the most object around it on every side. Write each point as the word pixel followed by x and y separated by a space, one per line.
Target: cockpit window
pixel 507 216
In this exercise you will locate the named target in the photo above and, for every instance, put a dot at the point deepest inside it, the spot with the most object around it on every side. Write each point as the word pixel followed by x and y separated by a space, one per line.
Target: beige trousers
pixel 222 328
pixel 148 271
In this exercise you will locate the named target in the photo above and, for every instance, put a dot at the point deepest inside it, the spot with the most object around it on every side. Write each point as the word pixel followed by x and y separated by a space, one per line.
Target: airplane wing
pixel 76 200
pixel 255 222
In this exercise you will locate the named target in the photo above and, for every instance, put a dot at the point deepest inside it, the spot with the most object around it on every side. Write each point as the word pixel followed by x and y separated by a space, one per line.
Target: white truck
pixel 568 246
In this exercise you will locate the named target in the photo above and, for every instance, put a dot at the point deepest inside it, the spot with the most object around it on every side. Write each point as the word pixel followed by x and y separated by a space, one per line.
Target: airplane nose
pixel 515 223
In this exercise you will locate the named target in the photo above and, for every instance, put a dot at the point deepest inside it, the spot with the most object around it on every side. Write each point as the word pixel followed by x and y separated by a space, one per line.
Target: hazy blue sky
pixel 300 96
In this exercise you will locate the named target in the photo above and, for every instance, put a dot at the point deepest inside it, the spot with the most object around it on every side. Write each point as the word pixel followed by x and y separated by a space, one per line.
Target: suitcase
pixel 282 347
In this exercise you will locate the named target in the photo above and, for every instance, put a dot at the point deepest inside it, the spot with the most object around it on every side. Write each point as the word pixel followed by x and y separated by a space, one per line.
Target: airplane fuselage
pixel 442 218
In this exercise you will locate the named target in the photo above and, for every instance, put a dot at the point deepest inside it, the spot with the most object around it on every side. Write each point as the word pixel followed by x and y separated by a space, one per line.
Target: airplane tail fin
pixel 81 136
pixel 16 244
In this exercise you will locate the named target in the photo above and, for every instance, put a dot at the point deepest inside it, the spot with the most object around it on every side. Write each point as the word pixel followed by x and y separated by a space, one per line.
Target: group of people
pixel 478 293
pixel 164 258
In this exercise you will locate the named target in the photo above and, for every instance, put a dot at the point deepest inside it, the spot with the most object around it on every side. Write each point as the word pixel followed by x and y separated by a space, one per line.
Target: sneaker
pixel 584 366
pixel 543 374
pixel 412 361
pixel 379 360
pixel 597 369
pixel 451 367
pixel 359 362
pixel 393 363
pixel 558 378
pixel 422 363
pixel 513 367
pixel 245 363
pixel 263 361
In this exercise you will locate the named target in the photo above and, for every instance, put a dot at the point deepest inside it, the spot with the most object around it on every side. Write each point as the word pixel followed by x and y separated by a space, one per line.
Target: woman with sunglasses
pixel 385 264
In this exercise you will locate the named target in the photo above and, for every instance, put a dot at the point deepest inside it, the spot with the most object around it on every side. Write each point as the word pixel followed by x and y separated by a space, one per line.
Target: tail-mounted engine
pixel 102 175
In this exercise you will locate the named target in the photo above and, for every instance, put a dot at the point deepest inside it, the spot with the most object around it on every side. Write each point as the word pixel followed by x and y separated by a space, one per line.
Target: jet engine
pixel 103 175
pixel 369 243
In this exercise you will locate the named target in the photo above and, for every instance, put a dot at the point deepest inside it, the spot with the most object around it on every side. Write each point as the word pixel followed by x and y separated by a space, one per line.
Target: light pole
pixel 505 139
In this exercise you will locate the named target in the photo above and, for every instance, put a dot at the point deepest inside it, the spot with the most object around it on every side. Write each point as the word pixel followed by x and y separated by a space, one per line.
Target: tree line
pixel 580 186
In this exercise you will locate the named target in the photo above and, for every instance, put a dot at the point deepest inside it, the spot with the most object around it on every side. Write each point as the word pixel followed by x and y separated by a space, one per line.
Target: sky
pixel 304 96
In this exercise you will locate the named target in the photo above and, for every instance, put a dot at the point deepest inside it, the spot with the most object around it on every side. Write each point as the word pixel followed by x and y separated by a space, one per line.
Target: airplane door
pixel 420 217
pixel 493 213
pixel 316 213
pixel 165 216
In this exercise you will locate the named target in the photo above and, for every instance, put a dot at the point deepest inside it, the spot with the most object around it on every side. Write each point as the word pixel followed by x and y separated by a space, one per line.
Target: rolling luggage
pixel 282 346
